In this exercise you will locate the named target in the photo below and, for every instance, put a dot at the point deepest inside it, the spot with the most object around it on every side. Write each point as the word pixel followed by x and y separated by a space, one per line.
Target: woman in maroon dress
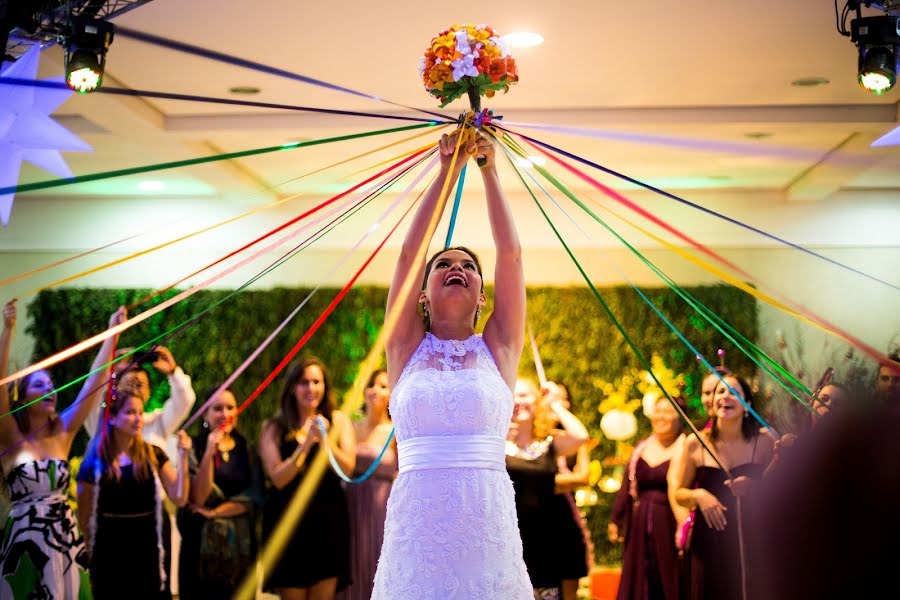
pixel 642 517
pixel 718 567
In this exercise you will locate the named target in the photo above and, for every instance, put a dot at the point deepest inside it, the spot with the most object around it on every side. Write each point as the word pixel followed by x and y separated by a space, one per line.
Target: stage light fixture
pixel 878 40
pixel 86 44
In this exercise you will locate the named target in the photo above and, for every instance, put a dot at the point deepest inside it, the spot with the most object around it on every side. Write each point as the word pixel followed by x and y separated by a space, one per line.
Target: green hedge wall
pixel 577 342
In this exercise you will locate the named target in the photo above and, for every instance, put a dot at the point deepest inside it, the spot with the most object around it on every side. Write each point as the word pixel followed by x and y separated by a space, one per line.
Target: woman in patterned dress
pixel 42 553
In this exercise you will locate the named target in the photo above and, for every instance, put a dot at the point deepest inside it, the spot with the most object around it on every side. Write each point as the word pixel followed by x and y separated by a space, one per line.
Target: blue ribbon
pixel 337 467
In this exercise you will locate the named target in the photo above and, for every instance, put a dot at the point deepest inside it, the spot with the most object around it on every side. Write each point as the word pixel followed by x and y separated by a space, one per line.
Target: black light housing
pixel 86 45
pixel 878 40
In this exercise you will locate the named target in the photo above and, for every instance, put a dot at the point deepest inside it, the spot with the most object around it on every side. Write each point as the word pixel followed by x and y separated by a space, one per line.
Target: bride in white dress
pixel 451 529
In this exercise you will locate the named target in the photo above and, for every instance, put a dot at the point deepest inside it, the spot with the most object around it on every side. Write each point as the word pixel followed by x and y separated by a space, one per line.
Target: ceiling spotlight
pixel 878 40
pixel 86 44
pixel 523 39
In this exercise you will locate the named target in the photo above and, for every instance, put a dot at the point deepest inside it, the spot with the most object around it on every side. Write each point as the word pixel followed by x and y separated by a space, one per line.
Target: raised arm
pixel 9 431
pixel 574 433
pixel 568 481
pixel 93 388
pixel 202 480
pixel 402 341
pixel 504 332
pixel 166 420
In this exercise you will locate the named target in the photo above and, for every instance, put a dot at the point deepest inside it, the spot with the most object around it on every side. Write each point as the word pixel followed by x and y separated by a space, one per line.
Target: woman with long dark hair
pixel 42 551
pixel 316 561
pixel 121 485
pixel 718 566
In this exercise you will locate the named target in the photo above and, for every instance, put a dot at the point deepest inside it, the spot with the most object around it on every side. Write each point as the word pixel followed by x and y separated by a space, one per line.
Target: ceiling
pixel 694 97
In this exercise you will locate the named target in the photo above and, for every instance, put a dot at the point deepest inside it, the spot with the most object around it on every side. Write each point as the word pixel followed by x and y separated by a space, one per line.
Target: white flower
pixel 464 66
pixel 462 42
pixel 422 66
pixel 498 41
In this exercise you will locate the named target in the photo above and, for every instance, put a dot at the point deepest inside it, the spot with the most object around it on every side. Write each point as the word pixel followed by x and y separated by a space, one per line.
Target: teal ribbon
pixel 337 467
pixel 455 211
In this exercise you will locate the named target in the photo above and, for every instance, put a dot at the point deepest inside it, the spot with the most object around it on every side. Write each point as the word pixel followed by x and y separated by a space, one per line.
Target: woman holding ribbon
pixel 316 562
pixel 451 525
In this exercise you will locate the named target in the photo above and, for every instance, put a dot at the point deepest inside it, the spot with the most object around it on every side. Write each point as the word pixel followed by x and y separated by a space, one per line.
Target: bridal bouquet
pixel 467 59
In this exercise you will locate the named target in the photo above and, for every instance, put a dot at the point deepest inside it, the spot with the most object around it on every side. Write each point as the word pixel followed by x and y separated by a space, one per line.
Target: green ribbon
pixel 42 185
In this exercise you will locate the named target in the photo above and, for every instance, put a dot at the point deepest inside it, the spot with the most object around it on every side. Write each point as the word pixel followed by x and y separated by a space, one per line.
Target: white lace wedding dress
pixel 451 529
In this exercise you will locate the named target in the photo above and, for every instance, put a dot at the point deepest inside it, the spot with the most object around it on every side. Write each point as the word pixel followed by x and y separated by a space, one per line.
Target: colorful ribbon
pixel 59 85
pixel 681 200
pixel 253 355
pixel 249 64
pixel 455 211
pixel 337 468
pixel 41 185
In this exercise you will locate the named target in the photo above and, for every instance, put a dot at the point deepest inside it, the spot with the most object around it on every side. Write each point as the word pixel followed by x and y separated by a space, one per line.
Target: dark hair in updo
pixel 430 264
pixel 433 258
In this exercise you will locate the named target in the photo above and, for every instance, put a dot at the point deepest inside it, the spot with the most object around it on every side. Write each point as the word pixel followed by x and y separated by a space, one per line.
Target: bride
pixel 451 529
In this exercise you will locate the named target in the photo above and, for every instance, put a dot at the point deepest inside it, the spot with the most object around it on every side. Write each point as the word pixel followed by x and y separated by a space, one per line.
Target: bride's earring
pixel 425 311
pixel 477 314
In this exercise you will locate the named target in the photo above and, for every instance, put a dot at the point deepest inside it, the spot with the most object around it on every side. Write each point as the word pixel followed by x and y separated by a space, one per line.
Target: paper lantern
pixel 618 425
pixel 649 402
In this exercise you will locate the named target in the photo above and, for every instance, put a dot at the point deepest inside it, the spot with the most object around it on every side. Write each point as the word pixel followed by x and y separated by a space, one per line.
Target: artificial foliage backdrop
pixel 578 344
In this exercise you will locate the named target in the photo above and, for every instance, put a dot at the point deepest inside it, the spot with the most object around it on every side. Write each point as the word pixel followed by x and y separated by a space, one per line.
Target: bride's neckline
pixel 434 337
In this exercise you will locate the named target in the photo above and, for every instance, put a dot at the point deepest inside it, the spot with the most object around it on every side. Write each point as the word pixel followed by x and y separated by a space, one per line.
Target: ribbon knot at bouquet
pixel 467 59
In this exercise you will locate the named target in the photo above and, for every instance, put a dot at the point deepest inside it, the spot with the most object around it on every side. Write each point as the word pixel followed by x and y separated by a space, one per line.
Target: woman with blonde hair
pixel 532 449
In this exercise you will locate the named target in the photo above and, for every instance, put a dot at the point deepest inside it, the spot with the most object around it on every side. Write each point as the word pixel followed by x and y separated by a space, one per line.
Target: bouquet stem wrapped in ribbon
pixel 471 60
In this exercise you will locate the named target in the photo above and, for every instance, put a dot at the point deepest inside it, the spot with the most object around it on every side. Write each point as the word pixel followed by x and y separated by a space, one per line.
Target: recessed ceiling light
pixel 244 89
pixel 758 135
pixel 151 186
pixel 810 81
pixel 527 163
pixel 523 39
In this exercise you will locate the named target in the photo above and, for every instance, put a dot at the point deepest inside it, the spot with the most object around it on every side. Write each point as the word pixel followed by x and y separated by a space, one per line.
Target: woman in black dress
pixel 642 517
pixel 718 565
pixel 531 454
pixel 218 532
pixel 120 487
pixel 316 562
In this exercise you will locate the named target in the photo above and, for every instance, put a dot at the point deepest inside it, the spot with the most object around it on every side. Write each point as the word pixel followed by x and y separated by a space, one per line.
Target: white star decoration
pixel 27 132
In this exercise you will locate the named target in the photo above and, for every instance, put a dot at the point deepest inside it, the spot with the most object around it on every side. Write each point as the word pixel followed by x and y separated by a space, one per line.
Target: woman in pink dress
pixel 367 500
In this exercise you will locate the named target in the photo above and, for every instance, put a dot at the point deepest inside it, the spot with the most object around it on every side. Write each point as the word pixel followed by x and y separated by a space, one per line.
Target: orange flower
pixel 444 45
pixel 497 70
pixel 439 74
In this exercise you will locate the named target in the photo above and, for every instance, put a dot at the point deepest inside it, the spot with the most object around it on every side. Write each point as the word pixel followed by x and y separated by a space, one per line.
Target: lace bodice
pixel 451 387
pixel 451 530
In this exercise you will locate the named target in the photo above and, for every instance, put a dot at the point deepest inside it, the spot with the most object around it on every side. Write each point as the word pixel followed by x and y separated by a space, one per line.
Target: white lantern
pixel 649 402
pixel 610 485
pixel 618 425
